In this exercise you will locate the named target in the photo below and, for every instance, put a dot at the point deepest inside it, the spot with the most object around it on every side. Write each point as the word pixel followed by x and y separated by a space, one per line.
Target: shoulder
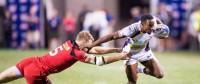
pixel 135 25
pixel 132 27
pixel 130 30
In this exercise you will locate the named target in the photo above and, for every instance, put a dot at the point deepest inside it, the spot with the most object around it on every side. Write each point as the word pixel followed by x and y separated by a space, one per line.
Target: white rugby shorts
pixel 140 56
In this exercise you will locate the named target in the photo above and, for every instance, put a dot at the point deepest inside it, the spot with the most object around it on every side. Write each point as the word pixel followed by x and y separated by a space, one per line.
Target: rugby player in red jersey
pixel 36 69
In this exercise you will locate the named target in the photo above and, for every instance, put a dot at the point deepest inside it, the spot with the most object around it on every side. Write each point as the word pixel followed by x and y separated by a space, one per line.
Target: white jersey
pixel 138 41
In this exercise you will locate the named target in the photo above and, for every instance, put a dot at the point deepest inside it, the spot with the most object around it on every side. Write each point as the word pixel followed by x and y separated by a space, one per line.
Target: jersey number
pixel 55 51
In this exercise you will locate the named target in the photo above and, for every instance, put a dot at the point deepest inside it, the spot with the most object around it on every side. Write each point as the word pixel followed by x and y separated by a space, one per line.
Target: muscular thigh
pixel 131 72
pixel 152 64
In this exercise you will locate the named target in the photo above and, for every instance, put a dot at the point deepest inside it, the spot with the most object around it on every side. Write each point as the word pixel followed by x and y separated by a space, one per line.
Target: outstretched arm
pixel 106 38
pixel 102 60
pixel 104 50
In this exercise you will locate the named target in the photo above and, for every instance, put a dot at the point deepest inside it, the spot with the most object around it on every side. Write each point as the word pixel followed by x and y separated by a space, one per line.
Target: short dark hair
pixel 146 17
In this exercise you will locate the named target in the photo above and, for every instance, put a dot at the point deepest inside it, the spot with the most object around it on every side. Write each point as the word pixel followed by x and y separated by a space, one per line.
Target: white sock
pixel 140 69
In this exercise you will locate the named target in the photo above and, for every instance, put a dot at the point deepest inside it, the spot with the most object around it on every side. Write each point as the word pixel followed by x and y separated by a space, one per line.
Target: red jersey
pixel 61 57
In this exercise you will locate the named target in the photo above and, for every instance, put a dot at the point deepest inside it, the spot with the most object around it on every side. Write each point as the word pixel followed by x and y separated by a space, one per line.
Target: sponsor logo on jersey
pixel 66 46
pixel 137 46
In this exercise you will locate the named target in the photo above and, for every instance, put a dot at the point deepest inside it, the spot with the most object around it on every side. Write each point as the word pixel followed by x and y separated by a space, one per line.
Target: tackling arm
pixel 106 38
pixel 104 50
pixel 102 60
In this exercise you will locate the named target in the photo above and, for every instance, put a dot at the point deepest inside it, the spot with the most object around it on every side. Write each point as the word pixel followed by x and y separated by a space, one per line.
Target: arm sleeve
pixel 81 56
pixel 129 31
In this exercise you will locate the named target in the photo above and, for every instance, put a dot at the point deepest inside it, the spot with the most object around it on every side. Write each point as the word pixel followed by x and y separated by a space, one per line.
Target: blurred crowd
pixel 184 27
pixel 5 30
pixel 98 23
pixel 184 33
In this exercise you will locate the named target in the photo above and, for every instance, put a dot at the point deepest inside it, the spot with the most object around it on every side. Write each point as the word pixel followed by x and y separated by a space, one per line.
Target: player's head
pixel 83 38
pixel 147 22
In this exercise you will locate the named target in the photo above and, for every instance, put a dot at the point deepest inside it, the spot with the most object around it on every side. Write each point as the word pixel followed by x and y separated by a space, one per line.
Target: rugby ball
pixel 161 31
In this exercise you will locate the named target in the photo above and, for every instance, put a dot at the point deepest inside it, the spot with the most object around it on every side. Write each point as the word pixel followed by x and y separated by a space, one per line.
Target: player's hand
pixel 86 47
pixel 163 37
pixel 119 50
pixel 125 55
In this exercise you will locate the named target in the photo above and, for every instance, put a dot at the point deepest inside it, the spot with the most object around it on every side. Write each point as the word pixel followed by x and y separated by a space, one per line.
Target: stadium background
pixel 33 27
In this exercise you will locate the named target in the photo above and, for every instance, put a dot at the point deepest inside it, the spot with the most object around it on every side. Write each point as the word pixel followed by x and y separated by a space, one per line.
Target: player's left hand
pixel 163 37
pixel 119 50
pixel 125 55
pixel 86 47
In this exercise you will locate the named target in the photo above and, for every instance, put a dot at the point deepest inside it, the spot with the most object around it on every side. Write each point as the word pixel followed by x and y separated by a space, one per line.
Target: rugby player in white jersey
pixel 138 34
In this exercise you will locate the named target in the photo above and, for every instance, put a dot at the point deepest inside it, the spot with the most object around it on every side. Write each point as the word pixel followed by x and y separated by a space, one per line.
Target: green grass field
pixel 179 67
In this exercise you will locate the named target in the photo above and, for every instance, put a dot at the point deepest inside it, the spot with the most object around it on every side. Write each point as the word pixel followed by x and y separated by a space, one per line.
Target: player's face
pixel 148 26
pixel 89 42
pixel 86 43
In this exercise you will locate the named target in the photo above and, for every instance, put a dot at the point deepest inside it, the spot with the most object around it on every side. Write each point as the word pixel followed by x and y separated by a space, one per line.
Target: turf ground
pixel 180 68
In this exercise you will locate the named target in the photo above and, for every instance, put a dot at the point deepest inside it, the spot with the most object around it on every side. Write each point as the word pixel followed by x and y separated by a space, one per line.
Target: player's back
pixel 61 58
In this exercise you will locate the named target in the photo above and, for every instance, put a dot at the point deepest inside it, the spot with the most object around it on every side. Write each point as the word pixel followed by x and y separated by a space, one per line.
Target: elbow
pixel 114 37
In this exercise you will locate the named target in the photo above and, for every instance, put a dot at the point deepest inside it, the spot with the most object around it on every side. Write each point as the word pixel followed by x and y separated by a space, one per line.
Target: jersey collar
pixel 74 44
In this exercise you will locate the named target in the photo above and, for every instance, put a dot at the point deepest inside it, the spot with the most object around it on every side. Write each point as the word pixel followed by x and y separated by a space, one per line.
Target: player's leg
pixel 38 80
pixel 153 68
pixel 36 76
pixel 49 82
pixel 130 65
pixel 131 72
pixel 10 74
